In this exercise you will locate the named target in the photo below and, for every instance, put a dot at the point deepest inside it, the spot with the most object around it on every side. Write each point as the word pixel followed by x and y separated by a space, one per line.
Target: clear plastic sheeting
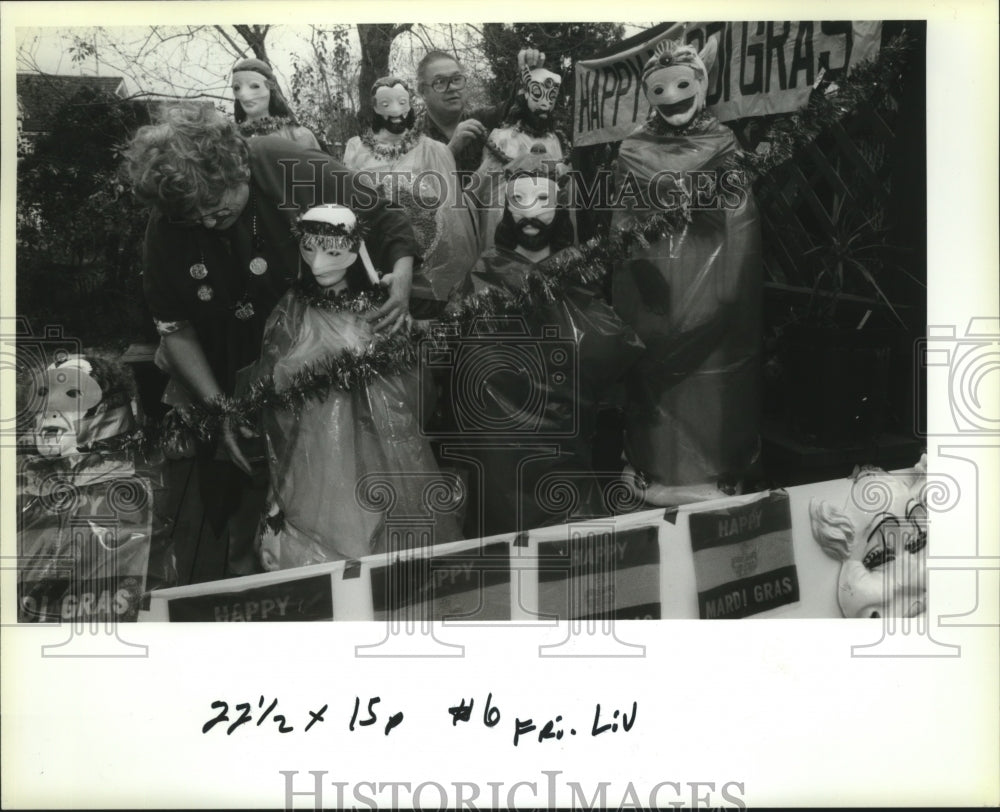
pixel 423 182
pixel 694 297
pixel 351 473
pixel 524 393
pixel 93 537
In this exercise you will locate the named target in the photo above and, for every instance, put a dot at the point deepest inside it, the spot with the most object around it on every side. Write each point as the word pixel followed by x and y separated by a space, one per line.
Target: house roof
pixel 40 95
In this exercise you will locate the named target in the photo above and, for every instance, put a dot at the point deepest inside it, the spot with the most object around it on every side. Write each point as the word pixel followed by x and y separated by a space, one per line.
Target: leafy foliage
pixel 324 87
pixel 79 232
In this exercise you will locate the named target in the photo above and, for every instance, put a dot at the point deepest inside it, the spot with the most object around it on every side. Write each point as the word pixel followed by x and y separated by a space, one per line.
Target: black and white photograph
pixel 499 359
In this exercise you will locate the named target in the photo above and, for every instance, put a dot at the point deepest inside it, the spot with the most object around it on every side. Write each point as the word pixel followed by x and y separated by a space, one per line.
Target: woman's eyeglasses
pixel 200 220
pixel 447 82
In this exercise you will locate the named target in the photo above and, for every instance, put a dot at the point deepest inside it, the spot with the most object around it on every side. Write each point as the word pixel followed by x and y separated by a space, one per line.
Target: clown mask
pixel 675 80
pixel 393 110
pixel 880 536
pixel 251 90
pixel 69 392
pixel 532 203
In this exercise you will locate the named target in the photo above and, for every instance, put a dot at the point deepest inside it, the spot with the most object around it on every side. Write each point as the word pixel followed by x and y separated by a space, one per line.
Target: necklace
pixel 391 152
pixel 243 309
pixel 264 126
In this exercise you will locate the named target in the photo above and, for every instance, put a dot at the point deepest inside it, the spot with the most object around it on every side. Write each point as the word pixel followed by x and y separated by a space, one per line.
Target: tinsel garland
pixel 543 287
pixel 345 301
pixel 388 355
pixel 391 152
pixel 264 126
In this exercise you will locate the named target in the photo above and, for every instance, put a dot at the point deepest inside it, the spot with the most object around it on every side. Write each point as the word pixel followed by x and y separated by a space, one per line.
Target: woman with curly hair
pixel 260 108
pixel 219 253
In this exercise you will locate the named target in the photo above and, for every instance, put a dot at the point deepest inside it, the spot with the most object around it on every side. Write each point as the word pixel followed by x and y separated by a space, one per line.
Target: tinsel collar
pixel 702 122
pixel 391 152
pixel 345 301
pixel 265 126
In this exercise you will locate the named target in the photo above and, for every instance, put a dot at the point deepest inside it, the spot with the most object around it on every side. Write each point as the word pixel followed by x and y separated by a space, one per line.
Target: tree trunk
pixel 376 40
pixel 254 36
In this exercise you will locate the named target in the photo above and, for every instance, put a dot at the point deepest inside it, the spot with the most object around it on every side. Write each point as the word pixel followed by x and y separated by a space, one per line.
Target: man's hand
pixel 395 313
pixel 530 58
pixel 466 131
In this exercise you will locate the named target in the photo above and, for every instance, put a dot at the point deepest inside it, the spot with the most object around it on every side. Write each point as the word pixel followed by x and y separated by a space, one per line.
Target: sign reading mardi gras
pixel 762 68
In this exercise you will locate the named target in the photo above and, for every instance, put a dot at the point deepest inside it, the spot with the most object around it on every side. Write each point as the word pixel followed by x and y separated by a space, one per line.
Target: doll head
pixel 535 212
pixel 256 93
pixel 83 399
pixel 540 90
pixel 392 106
pixel 329 242
pixel 675 80
pixel 880 536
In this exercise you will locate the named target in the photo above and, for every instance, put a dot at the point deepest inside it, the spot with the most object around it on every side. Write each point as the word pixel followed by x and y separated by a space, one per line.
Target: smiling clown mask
pixel 675 80
pixel 880 536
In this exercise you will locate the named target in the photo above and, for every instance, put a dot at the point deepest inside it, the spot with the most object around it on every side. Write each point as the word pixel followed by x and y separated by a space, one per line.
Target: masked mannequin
pixel 260 108
pixel 529 125
pixel 419 174
pixel 318 453
pixel 693 296
pixel 537 398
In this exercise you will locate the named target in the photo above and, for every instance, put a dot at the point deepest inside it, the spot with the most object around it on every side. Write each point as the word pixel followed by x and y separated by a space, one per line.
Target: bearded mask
pixel 392 106
pixel 675 80
pixel 880 536
pixel 535 215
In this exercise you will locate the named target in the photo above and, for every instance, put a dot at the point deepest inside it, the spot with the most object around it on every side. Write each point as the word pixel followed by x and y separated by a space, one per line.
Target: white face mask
pixel 251 91
pixel 676 94
pixel 328 267
pixel 392 102
pixel 533 198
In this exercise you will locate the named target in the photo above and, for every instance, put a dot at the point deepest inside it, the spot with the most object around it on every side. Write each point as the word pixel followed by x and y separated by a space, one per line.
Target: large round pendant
pixel 205 293
pixel 258 266
pixel 198 271
pixel 244 310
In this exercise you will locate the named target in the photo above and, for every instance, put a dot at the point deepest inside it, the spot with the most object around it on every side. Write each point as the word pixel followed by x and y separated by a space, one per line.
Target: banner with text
pixel 762 68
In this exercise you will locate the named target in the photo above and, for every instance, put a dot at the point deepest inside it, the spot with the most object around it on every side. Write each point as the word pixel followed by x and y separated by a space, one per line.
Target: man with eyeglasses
pixel 441 83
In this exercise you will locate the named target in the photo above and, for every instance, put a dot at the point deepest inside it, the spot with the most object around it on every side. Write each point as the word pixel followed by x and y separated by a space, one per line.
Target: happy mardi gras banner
pixel 762 68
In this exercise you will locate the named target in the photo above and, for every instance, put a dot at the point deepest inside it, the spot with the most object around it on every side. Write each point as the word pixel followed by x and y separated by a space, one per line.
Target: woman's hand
pixel 230 442
pixel 395 313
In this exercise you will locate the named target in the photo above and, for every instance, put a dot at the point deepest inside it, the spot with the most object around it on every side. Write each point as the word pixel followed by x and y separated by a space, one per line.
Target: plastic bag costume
pixel 693 296
pixel 93 534
pixel 418 174
pixel 324 508
pixel 526 386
